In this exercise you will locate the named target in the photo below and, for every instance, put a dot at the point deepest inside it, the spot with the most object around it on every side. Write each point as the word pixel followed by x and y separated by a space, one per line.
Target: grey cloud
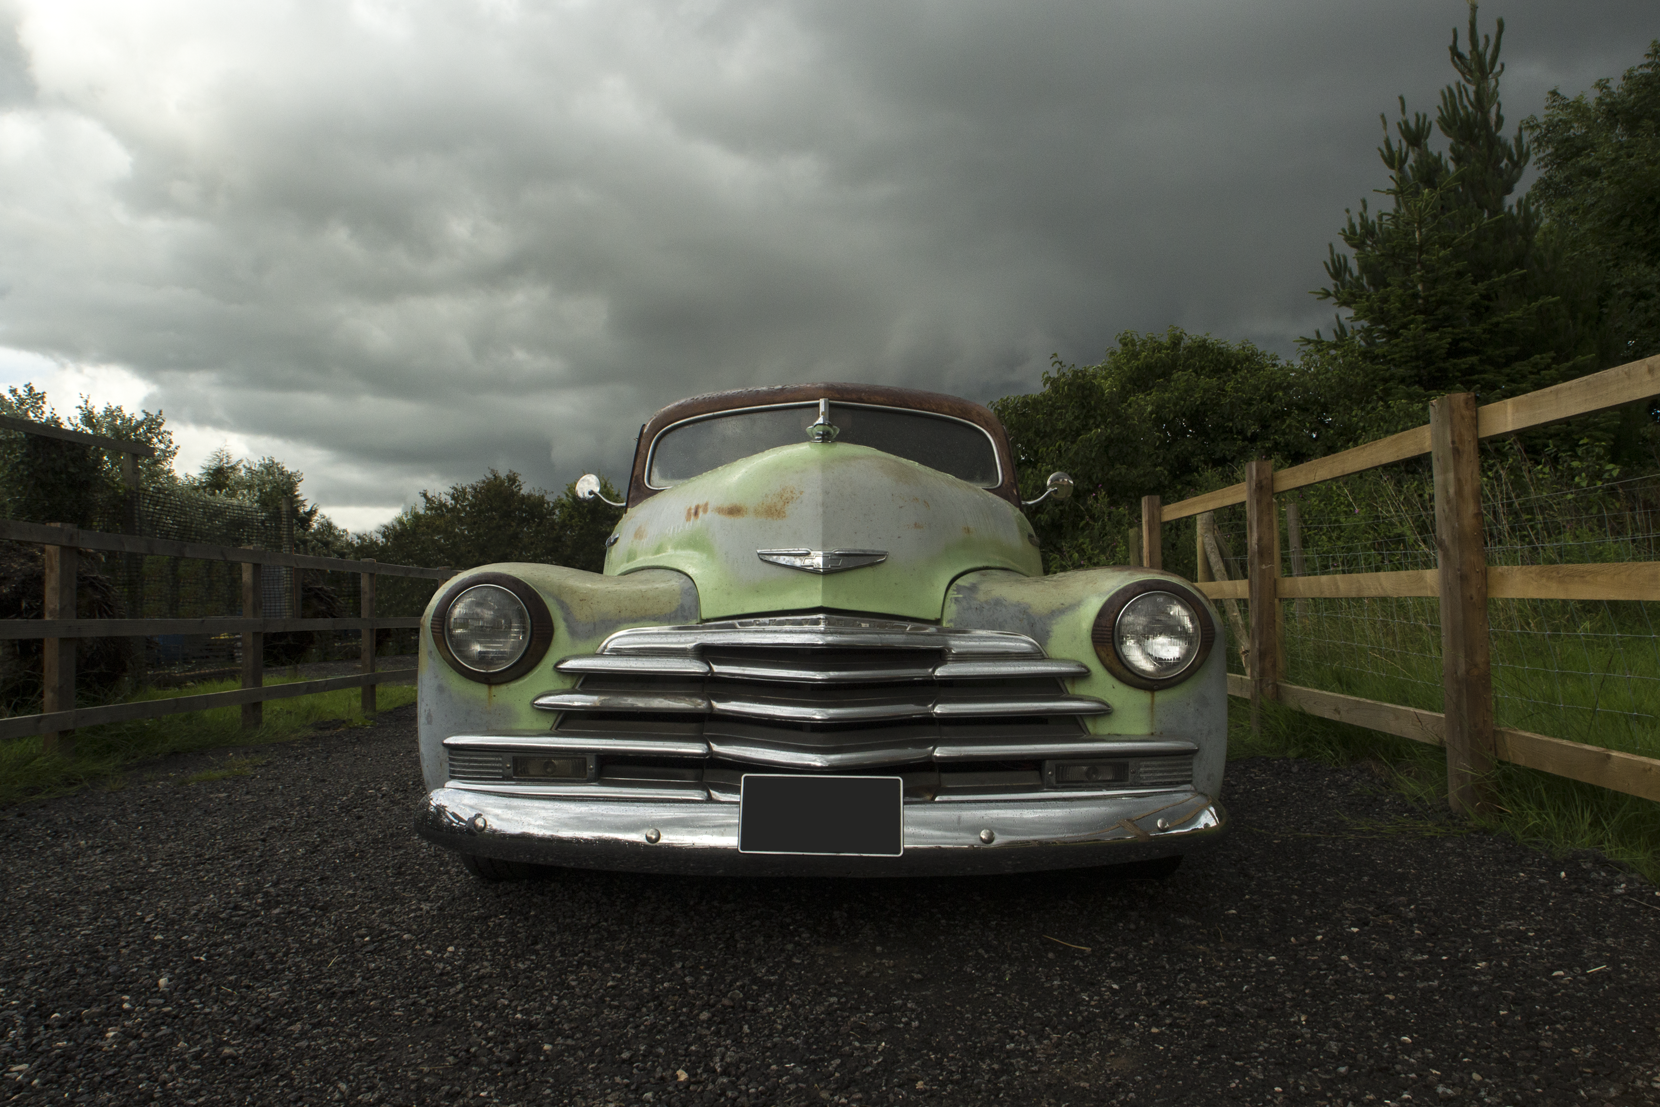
pixel 464 237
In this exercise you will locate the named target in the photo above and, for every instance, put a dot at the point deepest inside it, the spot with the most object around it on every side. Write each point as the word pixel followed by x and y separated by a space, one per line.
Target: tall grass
pixel 1583 671
pixel 103 754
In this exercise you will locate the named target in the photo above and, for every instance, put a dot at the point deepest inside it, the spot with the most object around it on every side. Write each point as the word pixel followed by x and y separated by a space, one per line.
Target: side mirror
pixel 1059 485
pixel 587 488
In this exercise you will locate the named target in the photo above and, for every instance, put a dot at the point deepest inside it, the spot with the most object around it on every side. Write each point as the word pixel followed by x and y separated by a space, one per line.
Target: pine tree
pixel 1447 288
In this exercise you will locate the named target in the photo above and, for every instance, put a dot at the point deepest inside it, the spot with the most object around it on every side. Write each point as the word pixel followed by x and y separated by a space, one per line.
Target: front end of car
pixel 821 659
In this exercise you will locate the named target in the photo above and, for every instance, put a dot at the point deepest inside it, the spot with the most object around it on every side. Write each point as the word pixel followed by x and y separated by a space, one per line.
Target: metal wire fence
pixel 1586 671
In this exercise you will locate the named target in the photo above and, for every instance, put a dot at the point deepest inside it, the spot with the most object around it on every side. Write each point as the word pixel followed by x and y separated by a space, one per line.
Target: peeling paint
pixel 823 498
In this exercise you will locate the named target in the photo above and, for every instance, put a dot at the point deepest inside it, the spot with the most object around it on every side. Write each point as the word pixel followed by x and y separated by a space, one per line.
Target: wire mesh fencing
pixel 1583 670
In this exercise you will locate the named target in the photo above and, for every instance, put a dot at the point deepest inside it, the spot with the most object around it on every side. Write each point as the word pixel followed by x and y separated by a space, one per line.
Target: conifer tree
pixel 1446 288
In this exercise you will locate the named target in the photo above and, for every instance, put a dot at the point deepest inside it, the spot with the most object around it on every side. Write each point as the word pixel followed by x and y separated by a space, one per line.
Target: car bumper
pixel 1027 833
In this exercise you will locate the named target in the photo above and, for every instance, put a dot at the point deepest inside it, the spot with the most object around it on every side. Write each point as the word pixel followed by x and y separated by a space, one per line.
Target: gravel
pixel 283 937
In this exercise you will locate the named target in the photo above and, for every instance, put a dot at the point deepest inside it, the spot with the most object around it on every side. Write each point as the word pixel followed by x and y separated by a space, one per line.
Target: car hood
pixel 823 497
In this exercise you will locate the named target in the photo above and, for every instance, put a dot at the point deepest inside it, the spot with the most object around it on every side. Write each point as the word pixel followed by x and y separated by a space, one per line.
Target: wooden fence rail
pixel 59 627
pixel 1463 584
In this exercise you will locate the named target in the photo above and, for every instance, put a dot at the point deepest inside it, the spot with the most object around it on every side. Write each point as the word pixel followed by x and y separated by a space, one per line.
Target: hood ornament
pixel 822 561
pixel 823 430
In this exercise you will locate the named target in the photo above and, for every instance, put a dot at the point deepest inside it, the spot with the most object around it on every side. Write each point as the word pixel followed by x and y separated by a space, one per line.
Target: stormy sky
pixel 396 242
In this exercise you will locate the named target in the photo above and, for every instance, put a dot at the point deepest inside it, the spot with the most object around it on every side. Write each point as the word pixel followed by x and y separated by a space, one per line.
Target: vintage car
pixel 822 643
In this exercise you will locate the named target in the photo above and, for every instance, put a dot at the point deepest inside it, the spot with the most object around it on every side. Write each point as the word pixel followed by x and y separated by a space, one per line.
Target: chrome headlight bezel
pixel 541 627
pixel 1104 634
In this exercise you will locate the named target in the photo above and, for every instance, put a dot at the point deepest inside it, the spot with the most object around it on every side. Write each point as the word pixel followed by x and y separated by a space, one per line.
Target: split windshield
pixel 960 449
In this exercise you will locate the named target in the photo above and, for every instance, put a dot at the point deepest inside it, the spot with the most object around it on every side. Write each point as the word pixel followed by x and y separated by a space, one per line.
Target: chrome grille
pixel 822 691
pixel 1159 771
pixel 471 764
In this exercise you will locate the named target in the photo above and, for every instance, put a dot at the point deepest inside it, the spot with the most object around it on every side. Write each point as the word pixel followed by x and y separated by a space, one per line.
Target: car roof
pixel 880 395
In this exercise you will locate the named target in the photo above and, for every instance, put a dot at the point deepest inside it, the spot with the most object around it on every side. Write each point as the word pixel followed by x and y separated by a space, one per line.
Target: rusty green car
pixel 822 643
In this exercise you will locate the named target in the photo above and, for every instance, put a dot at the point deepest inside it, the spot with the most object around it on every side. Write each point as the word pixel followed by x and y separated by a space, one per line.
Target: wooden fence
pixel 59 716
pixel 1463 583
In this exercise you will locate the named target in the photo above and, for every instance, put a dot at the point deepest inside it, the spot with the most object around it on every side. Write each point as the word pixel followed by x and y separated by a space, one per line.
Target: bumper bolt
pixel 987 837
pixel 654 836
pixel 479 823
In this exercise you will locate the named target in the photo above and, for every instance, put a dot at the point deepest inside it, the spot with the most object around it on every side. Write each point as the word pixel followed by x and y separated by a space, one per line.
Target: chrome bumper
pixel 666 836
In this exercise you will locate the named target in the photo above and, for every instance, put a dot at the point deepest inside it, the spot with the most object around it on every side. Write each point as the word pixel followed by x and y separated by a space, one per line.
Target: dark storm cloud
pixel 413 240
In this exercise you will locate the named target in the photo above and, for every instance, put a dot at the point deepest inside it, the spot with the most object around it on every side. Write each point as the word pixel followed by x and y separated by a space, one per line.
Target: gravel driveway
pixel 282 937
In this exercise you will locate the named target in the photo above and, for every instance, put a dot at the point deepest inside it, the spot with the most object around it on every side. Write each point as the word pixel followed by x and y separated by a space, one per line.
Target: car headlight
pixel 1153 634
pixel 492 628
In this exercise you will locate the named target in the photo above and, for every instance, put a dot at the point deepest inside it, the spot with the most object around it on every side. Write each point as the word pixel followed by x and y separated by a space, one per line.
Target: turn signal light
pixel 550 768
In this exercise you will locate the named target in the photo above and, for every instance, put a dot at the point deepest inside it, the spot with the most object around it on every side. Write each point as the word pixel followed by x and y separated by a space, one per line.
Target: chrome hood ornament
pixel 824 430
pixel 823 561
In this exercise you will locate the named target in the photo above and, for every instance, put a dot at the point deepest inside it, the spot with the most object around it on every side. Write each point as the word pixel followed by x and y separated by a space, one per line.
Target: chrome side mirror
pixel 587 488
pixel 1059 485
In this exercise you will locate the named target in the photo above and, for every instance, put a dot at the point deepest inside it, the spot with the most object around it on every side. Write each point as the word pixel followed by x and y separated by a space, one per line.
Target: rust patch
pixel 777 505
pixel 696 510
pixel 919 526
pixel 968 530
pixel 640 533
pixel 732 511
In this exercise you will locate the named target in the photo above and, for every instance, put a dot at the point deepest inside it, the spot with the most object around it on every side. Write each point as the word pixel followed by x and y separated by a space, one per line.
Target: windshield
pixel 687 449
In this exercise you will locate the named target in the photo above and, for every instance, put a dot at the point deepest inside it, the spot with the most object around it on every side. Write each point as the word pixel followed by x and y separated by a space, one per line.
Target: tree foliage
pixel 1599 189
pixel 1448 288
pixel 493 519
pixel 47 480
pixel 1170 413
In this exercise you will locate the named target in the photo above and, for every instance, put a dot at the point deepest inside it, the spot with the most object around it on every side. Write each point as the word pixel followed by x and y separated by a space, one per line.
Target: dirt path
pixel 282 937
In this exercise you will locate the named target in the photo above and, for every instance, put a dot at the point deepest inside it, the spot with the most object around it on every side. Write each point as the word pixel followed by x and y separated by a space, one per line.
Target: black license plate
pixel 861 816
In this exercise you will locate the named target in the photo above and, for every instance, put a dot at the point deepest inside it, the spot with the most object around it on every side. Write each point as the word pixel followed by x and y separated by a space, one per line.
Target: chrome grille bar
pixel 805 632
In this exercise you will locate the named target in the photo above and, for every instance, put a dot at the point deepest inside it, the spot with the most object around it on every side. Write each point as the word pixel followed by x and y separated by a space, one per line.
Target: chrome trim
pixel 1035 705
pixel 794 674
pixel 881 711
pixel 997 458
pixel 587 488
pixel 823 431
pixel 822 561
pixel 672 791
pixel 633 666
pixel 819 631
pixel 1014 667
pixel 1069 831
pixel 744 707
pixel 1027 797
pixel 545 743
pixel 649 702
pixel 755 754
pixel 1059 485
pixel 1011 751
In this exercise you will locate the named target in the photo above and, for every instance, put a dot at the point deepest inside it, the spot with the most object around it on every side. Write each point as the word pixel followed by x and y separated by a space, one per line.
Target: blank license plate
pixel 863 816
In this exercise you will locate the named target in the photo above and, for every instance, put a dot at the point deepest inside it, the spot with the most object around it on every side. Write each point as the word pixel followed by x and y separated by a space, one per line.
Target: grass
pixel 104 754
pixel 1542 810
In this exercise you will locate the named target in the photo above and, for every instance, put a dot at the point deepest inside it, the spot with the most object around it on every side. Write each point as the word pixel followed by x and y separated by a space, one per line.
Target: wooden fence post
pixel 1152 533
pixel 367 593
pixel 58 568
pixel 1262 574
pixel 1466 665
pixel 253 642
pixel 1294 536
